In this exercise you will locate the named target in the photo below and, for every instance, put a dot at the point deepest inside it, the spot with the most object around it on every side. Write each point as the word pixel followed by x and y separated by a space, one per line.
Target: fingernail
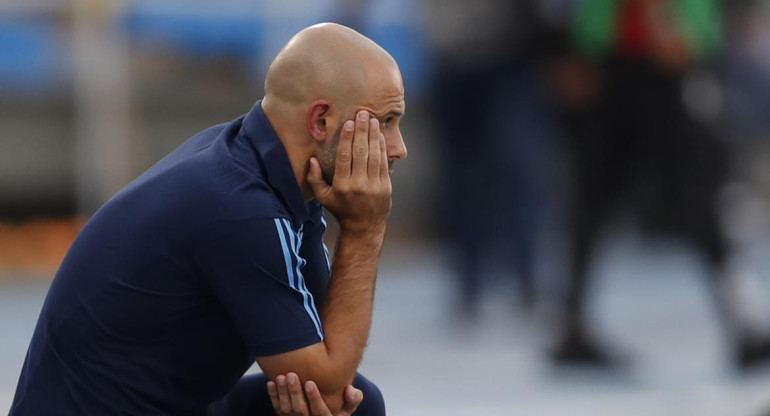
pixel 374 123
pixel 291 378
pixel 281 380
pixel 309 387
pixel 363 115
pixel 349 125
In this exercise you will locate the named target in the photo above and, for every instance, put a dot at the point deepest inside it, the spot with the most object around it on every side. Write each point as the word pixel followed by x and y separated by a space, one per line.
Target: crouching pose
pixel 214 257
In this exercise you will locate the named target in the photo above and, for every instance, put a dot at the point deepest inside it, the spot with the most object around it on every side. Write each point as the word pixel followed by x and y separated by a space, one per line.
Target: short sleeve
pixel 254 268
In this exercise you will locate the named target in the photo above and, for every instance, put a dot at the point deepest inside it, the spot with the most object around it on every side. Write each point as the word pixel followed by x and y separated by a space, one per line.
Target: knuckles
pixel 344 157
pixel 342 188
pixel 361 151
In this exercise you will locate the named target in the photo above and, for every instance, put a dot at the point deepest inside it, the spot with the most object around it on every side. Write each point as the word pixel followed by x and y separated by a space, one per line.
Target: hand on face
pixel 288 399
pixel 360 193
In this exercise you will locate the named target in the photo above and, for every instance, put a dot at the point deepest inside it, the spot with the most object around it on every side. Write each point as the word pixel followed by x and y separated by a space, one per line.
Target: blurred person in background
pixel 214 257
pixel 643 124
pixel 492 123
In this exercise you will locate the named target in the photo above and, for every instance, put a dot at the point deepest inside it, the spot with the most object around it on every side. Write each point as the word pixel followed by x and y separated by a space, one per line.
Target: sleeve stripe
pixel 291 256
pixel 326 249
pixel 296 244
pixel 326 255
pixel 286 255
pixel 311 300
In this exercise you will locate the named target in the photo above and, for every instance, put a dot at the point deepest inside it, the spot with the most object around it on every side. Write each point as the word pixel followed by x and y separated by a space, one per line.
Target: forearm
pixel 347 312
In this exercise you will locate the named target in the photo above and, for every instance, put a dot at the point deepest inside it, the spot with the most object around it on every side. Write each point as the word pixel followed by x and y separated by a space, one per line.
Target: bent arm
pixel 346 318
pixel 360 199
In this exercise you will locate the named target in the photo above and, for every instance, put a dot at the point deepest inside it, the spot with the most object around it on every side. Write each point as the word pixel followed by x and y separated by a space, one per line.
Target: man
pixel 497 66
pixel 214 257
pixel 636 139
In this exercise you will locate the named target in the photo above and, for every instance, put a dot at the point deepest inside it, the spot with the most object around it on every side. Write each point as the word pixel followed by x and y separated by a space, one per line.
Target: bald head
pixel 323 77
pixel 326 61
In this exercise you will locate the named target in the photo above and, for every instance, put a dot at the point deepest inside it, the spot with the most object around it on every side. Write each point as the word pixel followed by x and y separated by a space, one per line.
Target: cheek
pixel 328 157
pixel 327 160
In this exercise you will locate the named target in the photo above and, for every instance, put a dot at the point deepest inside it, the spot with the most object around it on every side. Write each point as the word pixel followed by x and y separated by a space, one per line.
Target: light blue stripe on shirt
pixel 326 249
pixel 296 280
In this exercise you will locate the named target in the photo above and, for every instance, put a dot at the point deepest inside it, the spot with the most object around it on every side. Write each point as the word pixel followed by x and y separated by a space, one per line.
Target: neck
pixel 299 164
pixel 298 155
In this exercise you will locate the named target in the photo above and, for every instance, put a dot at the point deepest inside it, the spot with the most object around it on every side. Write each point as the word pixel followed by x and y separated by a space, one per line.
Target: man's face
pixel 385 103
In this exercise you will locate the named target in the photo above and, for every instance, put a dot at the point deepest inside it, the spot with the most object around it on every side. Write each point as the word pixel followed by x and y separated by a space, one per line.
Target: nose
pixel 396 146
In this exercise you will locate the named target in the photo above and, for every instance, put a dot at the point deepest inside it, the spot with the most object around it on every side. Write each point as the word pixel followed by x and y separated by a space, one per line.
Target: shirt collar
pixel 278 171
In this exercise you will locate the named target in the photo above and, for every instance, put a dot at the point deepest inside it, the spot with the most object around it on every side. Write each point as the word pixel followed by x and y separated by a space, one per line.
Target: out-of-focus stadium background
pixel 505 101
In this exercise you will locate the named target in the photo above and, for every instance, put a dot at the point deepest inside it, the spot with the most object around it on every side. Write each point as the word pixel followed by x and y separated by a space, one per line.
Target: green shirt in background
pixel 596 22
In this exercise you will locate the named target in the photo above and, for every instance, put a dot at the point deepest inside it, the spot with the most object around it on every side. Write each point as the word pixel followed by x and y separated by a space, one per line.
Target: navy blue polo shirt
pixel 206 261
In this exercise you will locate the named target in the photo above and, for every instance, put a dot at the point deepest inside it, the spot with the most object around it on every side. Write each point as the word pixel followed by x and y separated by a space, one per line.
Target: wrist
pixel 363 230
pixel 363 235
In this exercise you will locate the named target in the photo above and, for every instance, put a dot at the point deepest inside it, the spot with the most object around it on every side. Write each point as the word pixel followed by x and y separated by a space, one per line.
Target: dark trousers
pixel 249 398
pixel 639 141
pixel 493 176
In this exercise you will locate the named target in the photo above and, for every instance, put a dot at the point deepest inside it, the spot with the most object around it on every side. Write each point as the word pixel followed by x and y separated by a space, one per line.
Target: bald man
pixel 214 257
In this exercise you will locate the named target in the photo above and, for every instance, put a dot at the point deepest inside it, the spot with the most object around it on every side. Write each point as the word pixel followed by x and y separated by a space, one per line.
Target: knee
pixel 373 403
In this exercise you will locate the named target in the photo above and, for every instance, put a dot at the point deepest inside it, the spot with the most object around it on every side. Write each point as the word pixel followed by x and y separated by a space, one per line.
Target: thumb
pixel 353 397
pixel 316 180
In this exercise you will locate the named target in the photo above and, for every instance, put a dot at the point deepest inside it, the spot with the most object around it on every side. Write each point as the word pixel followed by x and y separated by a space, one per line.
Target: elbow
pixel 332 388
pixel 334 401
pixel 332 391
pixel 330 374
pixel 332 378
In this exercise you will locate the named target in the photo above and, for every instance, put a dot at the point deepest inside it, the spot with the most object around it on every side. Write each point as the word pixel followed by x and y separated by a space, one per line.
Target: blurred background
pixel 582 226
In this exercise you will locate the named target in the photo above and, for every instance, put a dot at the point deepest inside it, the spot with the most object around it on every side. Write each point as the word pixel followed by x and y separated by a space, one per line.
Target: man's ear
pixel 318 119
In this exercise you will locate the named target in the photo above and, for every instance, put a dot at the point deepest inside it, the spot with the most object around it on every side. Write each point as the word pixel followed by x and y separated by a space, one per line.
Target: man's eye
pixel 387 122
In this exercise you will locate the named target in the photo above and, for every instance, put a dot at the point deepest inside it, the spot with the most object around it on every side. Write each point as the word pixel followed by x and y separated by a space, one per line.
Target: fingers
pixel 361 145
pixel 342 169
pixel 297 397
pixel 374 149
pixel 353 397
pixel 272 391
pixel 384 168
pixel 288 398
pixel 284 402
pixel 360 194
pixel 317 405
pixel 316 180
pixel 368 157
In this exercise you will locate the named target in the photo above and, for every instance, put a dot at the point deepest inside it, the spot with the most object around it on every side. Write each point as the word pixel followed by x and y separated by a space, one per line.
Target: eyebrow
pixel 393 113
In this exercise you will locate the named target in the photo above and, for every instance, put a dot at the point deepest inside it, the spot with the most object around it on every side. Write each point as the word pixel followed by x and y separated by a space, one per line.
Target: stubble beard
pixel 328 158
